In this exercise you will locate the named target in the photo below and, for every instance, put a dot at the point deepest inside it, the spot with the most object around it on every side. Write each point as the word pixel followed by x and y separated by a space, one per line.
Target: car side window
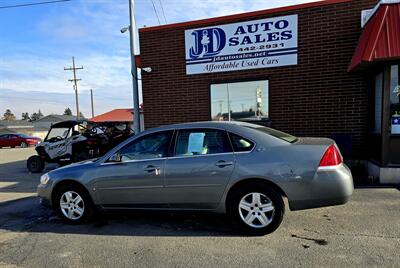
pixel 148 147
pixel 201 142
pixel 240 144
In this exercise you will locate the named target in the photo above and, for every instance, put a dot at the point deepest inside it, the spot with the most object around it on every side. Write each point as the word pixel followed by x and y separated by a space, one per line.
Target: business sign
pixel 254 44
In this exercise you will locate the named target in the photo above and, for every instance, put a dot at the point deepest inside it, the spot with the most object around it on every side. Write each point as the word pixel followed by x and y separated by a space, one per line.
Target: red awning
pixel 380 38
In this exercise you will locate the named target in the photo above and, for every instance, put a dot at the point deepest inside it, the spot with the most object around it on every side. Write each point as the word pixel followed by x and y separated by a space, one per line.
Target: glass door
pixel 394 120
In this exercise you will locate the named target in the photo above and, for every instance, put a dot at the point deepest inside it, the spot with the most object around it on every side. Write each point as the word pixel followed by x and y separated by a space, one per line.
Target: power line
pixel 155 11
pixel 162 9
pixel 34 4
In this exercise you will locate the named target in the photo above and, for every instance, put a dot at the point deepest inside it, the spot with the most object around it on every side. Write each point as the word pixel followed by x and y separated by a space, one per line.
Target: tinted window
pixel 201 142
pixel 240 144
pixel 148 147
pixel 276 133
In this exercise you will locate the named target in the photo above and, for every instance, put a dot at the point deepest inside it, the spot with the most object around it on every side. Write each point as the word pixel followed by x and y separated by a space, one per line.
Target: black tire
pixel 23 145
pixel 86 201
pixel 276 216
pixel 35 164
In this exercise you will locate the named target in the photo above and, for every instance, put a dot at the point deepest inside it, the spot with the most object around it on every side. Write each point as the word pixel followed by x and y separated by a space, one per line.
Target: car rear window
pixel 275 133
pixel 240 144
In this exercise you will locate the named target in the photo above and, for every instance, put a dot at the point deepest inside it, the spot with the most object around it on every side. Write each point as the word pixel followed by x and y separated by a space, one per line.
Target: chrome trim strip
pixel 198 155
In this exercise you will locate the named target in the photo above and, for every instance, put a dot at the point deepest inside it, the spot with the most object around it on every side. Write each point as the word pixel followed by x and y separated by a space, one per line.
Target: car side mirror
pixel 115 158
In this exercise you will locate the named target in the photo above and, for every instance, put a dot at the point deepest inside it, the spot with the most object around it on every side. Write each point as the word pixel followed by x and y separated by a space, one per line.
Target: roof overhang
pixel 247 15
pixel 380 37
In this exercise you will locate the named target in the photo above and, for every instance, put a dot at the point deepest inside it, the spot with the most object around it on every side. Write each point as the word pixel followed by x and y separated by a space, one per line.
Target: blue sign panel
pixel 254 44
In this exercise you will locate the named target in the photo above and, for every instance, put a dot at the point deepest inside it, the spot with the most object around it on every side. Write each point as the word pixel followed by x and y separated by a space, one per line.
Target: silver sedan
pixel 241 169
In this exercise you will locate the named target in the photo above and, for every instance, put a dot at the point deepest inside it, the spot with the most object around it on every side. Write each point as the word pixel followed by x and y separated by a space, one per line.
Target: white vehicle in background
pixel 75 141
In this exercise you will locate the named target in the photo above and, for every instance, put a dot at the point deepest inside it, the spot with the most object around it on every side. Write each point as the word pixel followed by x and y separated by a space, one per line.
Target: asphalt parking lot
pixel 364 232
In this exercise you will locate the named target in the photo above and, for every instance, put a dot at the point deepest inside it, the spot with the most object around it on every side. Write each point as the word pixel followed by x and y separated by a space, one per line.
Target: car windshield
pixel 275 133
pixel 58 132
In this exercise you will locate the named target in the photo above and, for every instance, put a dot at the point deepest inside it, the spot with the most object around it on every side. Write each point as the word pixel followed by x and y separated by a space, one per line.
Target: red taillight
pixel 331 157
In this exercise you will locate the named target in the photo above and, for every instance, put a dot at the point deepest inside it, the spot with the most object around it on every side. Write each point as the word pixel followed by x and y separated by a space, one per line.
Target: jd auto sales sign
pixel 238 46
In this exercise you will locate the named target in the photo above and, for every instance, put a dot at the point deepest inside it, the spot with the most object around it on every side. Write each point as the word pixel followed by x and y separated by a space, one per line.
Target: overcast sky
pixel 37 42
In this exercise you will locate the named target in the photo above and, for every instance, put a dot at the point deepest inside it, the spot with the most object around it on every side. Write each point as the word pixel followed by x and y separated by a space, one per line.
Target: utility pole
pixel 75 85
pixel 132 28
pixel 91 98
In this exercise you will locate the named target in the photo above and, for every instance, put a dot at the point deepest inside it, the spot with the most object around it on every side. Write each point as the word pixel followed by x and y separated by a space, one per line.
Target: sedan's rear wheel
pixel 257 209
pixel 23 145
pixel 74 204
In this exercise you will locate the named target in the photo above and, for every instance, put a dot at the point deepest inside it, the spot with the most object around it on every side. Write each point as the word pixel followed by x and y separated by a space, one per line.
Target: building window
pixel 244 101
pixel 395 99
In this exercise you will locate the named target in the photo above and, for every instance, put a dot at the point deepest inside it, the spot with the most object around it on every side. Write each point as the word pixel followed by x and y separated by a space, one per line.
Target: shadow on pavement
pixel 377 186
pixel 27 215
pixel 15 177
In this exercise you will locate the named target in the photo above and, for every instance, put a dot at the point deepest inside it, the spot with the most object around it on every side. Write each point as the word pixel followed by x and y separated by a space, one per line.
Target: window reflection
pixel 394 99
pixel 239 101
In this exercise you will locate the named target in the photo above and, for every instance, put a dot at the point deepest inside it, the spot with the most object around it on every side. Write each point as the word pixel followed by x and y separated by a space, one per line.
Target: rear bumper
pixel 329 187
pixel 317 203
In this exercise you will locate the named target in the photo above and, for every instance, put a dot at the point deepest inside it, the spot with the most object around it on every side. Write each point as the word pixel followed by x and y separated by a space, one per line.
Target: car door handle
pixel 222 164
pixel 152 169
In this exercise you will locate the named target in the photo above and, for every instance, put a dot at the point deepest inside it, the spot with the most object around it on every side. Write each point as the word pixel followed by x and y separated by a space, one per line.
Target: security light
pixel 147 69
pixel 124 29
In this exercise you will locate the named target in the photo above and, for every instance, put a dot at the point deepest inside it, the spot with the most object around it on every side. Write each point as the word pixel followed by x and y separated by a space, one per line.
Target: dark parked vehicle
pixel 73 141
pixel 18 140
pixel 241 169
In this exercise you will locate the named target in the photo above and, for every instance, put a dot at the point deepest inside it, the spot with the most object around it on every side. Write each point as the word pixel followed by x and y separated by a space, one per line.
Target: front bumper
pixel 329 187
pixel 44 193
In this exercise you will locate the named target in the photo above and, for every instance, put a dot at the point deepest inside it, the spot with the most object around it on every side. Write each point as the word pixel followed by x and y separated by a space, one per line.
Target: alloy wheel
pixel 256 210
pixel 72 205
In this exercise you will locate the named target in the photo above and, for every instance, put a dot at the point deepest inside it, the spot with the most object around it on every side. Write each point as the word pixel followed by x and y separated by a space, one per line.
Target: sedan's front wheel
pixel 74 204
pixel 257 209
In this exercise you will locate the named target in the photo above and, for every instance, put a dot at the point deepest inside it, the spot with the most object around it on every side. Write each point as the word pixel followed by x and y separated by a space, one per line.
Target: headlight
pixel 44 179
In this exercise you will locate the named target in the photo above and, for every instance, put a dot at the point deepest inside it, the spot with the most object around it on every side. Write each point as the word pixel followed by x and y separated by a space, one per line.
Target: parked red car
pixel 18 139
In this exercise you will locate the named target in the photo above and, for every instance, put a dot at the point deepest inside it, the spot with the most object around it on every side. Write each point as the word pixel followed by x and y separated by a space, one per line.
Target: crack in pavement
pixel 321 242
pixel 350 234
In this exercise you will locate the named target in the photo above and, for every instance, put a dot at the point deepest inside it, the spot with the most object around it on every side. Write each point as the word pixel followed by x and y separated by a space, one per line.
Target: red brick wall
pixel 316 97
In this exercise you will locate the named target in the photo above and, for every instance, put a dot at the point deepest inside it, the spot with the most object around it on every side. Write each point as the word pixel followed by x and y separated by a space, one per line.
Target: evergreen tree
pixel 8 115
pixel 25 116
pixel 67 111
pixel 36 116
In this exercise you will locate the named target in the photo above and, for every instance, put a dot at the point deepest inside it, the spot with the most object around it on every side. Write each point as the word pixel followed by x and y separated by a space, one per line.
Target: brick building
pixel 301 69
